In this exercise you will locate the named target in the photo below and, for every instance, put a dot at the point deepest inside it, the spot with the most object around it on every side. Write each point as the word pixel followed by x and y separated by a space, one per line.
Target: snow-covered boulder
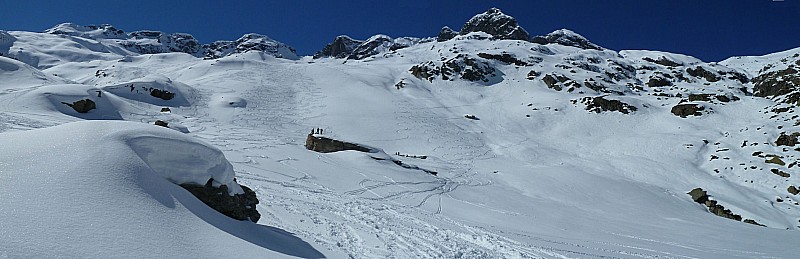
pixel 107 189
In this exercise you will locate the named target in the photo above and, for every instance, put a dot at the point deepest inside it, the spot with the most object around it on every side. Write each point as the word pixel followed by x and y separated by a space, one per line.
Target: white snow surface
pixel 99 189
pixel 536 176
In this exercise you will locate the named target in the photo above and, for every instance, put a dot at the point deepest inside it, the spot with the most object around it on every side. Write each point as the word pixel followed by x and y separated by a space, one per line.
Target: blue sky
pixel 708 29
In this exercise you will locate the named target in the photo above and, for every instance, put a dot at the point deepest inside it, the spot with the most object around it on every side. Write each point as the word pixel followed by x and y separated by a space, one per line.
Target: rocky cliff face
pixel 341 47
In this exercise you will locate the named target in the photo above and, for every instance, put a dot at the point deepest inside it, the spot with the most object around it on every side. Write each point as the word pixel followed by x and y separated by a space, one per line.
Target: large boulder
pixel 162 94
pixel 793 190
pixel 82 106
pixel 497 24
pixel 237 206
pixel 698 195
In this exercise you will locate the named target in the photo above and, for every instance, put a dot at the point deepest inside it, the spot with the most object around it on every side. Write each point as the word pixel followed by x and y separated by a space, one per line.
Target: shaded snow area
pixel 469 146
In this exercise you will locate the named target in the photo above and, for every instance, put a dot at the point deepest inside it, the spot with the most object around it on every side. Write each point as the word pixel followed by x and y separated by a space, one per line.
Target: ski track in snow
pixel 362 222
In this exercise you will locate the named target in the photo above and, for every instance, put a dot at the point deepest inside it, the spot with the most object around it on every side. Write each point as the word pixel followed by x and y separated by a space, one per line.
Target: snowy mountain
pixel 479 143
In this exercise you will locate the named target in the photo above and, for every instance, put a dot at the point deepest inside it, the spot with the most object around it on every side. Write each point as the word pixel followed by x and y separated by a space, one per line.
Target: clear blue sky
pixel 708 29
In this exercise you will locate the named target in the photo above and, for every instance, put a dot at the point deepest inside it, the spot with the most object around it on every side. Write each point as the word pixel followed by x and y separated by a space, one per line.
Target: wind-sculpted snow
pixel 95 196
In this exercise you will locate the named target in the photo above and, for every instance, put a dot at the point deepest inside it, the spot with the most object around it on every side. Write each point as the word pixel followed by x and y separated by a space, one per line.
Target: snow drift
pixel 107 190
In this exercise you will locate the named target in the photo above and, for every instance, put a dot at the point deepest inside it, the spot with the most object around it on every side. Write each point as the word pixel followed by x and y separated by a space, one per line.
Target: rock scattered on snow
pixel 687 109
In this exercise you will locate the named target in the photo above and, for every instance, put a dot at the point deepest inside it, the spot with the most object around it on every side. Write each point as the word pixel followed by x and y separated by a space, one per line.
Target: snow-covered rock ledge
pixel 103 154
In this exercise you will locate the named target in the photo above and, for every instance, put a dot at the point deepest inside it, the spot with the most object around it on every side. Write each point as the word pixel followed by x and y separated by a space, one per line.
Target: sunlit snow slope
pixel 536 172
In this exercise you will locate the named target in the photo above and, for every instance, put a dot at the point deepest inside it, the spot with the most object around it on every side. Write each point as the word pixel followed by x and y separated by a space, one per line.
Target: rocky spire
pixel 446 34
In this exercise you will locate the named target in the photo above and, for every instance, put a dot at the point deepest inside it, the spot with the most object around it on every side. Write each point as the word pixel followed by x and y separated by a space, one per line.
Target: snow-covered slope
pixel 481 147
pixel 103 189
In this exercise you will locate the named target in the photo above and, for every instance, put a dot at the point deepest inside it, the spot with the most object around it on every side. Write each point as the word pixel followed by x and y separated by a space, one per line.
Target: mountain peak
pixel 103 31
pixel 567 38
pixel 497 24
pixel 341 47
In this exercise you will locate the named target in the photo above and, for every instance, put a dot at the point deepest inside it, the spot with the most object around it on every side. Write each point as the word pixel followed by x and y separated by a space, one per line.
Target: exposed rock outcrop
pixel 327 145
pixel 374 45
pixel 567 38
pixel 701 72
pixel 82 106
pixel 346 47
pixel 788 140
pixel 700 196
pixel 161 123
pixel 249 42
pixel 461 66
pixel 710 97
pixel 687 109
pixel 658 81
pixel 237 206
pixel 560 82
pixel 154 42
pixel 505 58
pixel 793 190
pixel 600 104
pixel 162 94
pixel 664 61
pixel 446 34
pixel 341 47
pixel 784 82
